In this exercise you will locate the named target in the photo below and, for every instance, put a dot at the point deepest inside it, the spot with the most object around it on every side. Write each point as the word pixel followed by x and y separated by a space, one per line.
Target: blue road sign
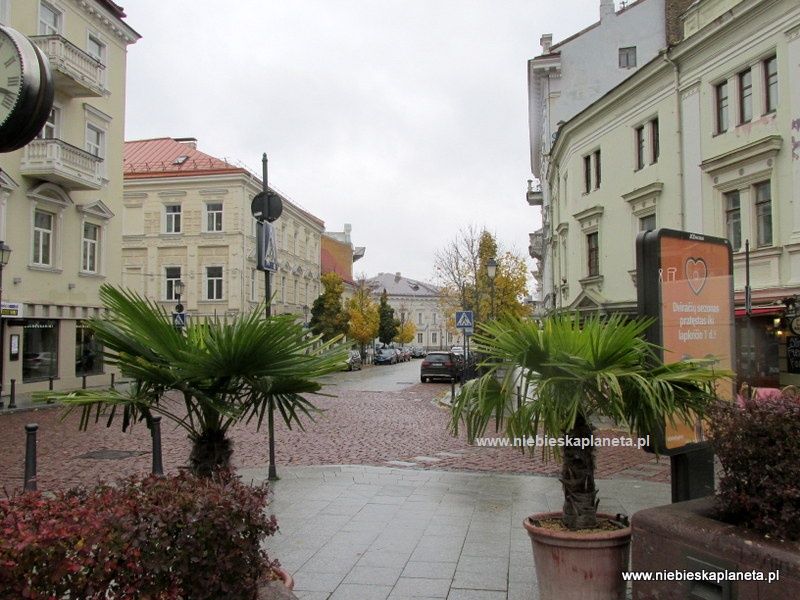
pixel 464 319
pixel 179 319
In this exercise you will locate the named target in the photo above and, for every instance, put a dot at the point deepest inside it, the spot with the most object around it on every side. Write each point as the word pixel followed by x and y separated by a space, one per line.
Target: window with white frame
pixel 50 19
pixel 95 140
pixel 640 147
pixel 43 234
pixel 90 248
pixel 747 212
pixel 593 254
pixel 770 66
pixel 172 275
pixel 213 283
pixel 172 218
pixel 50 129
pixel 745 79
pixel 591 171
pixel 721 102
pixel 733 218
pixel 214 217
pixel 647 144
pixel 762 192
pixel 627 57
pixel 96 48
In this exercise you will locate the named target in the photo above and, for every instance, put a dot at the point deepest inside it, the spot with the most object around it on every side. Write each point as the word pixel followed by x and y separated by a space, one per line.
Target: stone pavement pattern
pixel 399 429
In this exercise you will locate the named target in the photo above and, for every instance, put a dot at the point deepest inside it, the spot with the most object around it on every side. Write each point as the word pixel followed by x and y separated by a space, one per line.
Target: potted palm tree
pixel 553 380
pixel 223 370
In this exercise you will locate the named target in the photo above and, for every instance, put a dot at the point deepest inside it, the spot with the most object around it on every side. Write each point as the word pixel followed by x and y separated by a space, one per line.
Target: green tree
pixel 328 318
pixel 387 328
pixel 222 371
pixel 364 318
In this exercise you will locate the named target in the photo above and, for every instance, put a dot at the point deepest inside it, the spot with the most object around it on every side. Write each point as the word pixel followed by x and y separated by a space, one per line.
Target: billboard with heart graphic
pixel 685 281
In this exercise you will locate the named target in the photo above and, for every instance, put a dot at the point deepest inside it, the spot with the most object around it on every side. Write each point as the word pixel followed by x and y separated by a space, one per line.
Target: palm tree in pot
pixel 554 379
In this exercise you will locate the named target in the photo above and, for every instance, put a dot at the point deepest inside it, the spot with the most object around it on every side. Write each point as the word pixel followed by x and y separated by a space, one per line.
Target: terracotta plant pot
pixel 585 565
pixel 286 578
pixel 279 589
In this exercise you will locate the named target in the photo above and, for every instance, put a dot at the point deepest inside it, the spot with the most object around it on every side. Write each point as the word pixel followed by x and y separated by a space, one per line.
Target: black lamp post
pixel 5 255
pixel 177 289
pixel 491 273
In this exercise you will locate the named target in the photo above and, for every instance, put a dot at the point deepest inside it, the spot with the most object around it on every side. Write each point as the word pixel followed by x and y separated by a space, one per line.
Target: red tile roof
pixel 168 157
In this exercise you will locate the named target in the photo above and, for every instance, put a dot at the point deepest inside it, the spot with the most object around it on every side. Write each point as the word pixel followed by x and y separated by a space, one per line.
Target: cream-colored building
pixel 61 196
pixel 703 139
pixel 188 218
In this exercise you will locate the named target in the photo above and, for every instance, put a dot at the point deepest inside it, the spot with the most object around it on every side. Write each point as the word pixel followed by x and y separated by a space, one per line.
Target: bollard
pixel 155 432
pixel 112 381
pixel 12 401
pixel 50 387
pixel 83 382
pixel 30 456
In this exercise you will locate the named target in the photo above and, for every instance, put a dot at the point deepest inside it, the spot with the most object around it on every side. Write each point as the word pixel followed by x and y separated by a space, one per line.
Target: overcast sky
pixel 405 118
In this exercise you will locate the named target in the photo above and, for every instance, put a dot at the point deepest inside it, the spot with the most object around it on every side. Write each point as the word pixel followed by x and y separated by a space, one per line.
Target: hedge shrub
pixel 156 538
pixel 758 445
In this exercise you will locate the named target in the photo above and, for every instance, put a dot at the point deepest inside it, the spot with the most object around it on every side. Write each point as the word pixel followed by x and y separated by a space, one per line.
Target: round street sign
pixel 266 206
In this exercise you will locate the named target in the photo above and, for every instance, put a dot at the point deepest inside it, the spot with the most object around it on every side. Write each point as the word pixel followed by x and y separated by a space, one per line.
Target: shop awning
pixel 760 310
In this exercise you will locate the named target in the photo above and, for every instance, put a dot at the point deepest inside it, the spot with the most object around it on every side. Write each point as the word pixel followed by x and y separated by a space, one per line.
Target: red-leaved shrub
pixel 758 445
pixel 157 538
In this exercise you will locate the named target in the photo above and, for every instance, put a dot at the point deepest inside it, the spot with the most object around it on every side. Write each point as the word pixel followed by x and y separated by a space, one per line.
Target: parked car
pixel 385 356
pixel 418 352
pixel 353 361
pixel 400 356
pixel 406 351
pixel 440 364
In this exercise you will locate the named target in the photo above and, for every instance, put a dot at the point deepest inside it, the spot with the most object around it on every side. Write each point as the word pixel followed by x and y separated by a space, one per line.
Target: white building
pixel 702 138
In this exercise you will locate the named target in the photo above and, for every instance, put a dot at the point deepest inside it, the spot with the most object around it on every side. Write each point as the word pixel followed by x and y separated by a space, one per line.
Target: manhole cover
pixel 111 454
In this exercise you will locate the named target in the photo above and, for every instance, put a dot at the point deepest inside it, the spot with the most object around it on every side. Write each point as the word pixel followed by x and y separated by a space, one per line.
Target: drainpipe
pixel 679 112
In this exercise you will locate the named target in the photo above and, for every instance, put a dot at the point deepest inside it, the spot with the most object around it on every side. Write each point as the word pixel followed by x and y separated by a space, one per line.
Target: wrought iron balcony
pixel 76 73
pixel 63 164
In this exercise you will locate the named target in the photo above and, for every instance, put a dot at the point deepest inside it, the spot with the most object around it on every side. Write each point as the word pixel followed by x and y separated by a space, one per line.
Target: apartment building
pixel 61 197
pixel 702 138
pixel 189 234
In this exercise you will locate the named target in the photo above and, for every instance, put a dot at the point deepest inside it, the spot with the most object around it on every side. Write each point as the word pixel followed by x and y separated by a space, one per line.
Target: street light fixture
pixel 5 255
pixel 491 273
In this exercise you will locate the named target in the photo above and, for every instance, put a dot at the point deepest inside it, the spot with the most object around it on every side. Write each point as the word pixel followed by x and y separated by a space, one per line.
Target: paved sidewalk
pixel 378 533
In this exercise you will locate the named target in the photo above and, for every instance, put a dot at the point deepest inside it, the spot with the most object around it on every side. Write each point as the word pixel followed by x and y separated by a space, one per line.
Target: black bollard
pixel 12 401
pixel 83 382
pixel 30 456
pixel 112 381
pixel 155 432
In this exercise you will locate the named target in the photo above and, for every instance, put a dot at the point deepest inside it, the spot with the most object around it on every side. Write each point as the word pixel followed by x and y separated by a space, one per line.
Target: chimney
pixel 606 9
pixel 546 41
pixel 188 141
pixel 397 277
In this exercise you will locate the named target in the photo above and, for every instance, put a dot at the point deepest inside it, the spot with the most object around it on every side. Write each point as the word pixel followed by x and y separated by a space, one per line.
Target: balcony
pixel 76 73
pixel 534 195
pixel 60 163
pixel 536 244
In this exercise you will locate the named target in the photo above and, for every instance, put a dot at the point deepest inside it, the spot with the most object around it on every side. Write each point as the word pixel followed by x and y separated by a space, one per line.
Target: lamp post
pixel 5 254
pixel 305 314
pixel 491 273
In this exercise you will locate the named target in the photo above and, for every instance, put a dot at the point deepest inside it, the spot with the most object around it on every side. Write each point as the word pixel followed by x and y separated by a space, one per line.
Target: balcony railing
pixel 534 194
pixel 63 164
pixel 536 244
pixel 76 73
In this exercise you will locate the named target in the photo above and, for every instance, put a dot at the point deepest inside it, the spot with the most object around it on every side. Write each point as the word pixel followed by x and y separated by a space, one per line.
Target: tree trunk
pixel 210 451
pixel 577 478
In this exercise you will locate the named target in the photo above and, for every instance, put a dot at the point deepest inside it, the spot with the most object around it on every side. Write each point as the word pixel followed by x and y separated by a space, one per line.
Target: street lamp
pixel 177 289
pixel 491 273
pixel 5 255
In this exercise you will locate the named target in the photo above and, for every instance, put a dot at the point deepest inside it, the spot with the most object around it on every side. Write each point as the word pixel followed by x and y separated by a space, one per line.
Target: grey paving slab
pixel 355 532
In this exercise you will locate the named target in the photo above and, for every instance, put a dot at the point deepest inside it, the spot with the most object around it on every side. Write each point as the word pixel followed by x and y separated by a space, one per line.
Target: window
pixel 647 223
pixel 39 349
pixel 172 276
pixel 214 216
pixel 745 96
pixel 655 142
pixel 43 238
pixel 88 352
pixel 721 100
pixel 213 283
pixel 89 247
pixel 771 84
pixel 593 254
pixel 50 129
pixel 763 203
pixel 173 218
pixel 639 147
pixel 95 140
pixel 627 57
pixel 733 219
pixel 591 171
pixel 96 49
pixel 587 174
pixel 49 20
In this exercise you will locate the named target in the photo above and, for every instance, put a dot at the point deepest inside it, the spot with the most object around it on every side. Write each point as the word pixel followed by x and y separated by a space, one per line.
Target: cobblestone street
pixel 405 428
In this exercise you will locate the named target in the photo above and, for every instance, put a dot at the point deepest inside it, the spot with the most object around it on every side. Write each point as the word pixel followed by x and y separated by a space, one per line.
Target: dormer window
pixel 180 160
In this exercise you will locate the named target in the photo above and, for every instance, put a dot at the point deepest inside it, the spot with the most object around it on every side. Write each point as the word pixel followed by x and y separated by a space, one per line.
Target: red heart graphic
pixel 696 273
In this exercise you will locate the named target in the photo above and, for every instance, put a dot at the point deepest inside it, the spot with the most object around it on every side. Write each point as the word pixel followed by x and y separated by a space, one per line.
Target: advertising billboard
pixel 685 281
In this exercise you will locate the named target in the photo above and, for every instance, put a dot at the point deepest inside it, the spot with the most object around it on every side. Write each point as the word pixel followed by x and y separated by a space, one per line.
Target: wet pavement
pixel 375 499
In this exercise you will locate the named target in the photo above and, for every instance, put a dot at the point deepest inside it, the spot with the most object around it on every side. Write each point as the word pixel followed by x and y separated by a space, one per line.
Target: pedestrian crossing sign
pixel 464 319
